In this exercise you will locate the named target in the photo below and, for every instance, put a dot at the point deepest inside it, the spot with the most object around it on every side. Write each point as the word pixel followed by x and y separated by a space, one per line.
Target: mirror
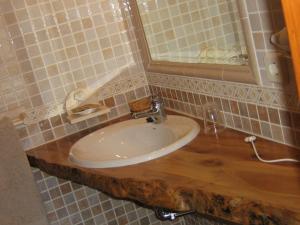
pixel 205 38
pixel 194 31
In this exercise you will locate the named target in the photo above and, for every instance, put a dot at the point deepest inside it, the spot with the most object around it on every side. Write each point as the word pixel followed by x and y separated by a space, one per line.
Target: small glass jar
pixel 213 117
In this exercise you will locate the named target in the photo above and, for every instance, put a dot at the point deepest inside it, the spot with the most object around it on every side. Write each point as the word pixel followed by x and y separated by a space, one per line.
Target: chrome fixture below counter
pixel 166 214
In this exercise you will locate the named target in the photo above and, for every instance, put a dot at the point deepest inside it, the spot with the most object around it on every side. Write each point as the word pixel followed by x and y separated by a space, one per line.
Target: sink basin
pixel 133 141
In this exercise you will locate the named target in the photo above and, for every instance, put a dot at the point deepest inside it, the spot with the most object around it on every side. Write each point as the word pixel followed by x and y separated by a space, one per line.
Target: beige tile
pixel 59 132
pixel 285 118
pixel 31 2
pixel 36 100
pixel 44 125
pixel 274 115
pixel 22 132
pixel 259 40
pixel 52 70
pixel 87 23
pixel 255 127
pixel 56 121
pixel 288 135
pixel 107 53
pixel 263 113
pixel 277 133
pixel 10 18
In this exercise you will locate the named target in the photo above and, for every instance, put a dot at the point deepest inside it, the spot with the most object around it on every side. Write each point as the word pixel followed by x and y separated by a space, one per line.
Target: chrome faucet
pixel 156 114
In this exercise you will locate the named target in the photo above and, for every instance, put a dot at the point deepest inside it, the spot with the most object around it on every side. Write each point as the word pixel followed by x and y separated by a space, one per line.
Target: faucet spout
pixel 148 113
pixel 157 112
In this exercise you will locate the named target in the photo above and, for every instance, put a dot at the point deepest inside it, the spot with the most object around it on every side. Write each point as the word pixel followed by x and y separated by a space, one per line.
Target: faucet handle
pixel 157 102
pixel 158 106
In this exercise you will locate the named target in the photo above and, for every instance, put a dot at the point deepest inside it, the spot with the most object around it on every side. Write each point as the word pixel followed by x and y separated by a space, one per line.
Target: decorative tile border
pixel 265 96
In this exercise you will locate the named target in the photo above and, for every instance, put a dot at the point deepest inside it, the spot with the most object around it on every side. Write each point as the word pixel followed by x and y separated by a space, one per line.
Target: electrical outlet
pixel 276 67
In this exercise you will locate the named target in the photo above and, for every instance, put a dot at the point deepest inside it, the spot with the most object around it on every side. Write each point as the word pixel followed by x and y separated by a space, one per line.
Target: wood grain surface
pixel 218 176
pixel 291 11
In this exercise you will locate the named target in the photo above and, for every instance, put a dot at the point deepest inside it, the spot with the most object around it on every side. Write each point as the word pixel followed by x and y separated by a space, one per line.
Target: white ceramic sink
pixel 133 141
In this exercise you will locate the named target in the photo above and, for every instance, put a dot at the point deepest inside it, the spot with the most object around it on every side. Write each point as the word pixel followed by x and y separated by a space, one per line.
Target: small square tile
pixel 285 118
pixel 255 127
pixel 234 107
pixel 263 113
pixel 44 125
pixel 252 109
pixel 266 129
pixel 56 121
pixel 109 102
pixel 274 116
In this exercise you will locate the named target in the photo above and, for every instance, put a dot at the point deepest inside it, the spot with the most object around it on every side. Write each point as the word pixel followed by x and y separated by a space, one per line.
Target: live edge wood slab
pixel 215 176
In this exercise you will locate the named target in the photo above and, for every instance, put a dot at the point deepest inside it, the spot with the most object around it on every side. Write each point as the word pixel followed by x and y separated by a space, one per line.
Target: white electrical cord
pixel 251 139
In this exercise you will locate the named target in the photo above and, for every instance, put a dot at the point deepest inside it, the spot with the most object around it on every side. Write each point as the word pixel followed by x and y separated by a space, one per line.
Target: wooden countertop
pixel 220 177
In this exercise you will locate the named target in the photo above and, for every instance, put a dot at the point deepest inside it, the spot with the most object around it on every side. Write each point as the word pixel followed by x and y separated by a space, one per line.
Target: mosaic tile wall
pixel 56 127
pixel 270 111
pixel 41 69
pixel 68 203
pixel 183 30
pixel 49 48
pixel 266 18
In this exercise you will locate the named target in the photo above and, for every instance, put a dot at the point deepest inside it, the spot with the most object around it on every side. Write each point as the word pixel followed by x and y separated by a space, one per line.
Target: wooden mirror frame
pixel 244 74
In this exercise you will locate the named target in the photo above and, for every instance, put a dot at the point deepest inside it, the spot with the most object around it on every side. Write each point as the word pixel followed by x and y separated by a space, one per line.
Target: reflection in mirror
pixel 194 31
